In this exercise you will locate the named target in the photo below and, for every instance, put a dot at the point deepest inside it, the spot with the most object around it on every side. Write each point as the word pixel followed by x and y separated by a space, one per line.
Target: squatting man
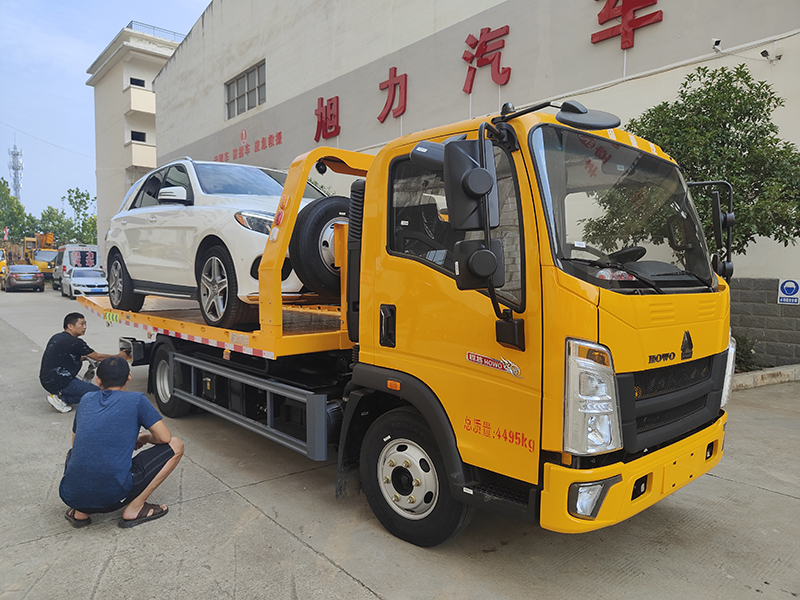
pixel 101 475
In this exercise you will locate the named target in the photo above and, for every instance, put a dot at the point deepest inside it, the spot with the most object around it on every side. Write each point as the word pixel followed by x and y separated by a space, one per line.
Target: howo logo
pixel 657 358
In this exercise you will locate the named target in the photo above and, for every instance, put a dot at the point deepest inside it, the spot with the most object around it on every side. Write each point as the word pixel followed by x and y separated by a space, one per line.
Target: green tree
pixel 56 221
pixel 84 208
pixel 720 127
pixel 13 215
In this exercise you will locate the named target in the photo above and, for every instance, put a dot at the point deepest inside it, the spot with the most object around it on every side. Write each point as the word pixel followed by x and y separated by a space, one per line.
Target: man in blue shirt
pixel 61 362
pixel 101 474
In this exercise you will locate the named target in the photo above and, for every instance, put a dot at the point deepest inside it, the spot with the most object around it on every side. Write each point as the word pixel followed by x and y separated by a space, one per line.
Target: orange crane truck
pixel 522 316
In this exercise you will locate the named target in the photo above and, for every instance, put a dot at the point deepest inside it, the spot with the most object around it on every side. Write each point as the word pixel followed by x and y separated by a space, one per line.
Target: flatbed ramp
pixel 303 328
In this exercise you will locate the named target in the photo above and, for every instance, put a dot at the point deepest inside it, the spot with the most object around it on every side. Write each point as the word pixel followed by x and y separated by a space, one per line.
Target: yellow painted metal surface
pixel 667 470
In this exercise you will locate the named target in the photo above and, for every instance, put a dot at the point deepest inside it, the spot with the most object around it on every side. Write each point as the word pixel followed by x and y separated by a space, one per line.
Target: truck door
pixel 425 326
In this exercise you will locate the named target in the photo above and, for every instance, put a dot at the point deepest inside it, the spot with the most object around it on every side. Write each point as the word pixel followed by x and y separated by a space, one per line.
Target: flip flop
pixel 143 516
pixel 77 523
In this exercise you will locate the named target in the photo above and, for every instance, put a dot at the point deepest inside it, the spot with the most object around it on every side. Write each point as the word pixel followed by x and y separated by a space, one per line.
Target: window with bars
pixel 247 90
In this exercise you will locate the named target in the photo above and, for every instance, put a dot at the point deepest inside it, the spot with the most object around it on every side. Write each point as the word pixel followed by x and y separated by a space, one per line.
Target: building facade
pixel 262 82
pixel 125 112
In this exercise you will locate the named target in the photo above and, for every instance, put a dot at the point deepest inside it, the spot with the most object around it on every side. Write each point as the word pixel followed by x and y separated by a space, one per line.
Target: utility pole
pixel 15 170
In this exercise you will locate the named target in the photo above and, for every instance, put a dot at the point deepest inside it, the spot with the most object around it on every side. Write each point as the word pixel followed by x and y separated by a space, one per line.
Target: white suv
pixel 195 229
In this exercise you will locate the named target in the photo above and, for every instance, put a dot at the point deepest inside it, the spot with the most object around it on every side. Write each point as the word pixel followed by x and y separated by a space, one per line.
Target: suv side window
pixel 148 195
pixel 418 225
pixel 177 177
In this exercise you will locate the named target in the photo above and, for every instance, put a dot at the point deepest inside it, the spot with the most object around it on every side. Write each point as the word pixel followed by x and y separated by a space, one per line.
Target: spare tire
pixel 311 247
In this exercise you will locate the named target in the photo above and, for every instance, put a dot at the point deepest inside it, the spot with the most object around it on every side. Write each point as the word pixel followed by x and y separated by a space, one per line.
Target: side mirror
pixel 475 264
pixel 467 183
pixel 173 194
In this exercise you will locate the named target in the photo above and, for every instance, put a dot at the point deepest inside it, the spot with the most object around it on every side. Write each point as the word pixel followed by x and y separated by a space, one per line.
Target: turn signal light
pixel 393 385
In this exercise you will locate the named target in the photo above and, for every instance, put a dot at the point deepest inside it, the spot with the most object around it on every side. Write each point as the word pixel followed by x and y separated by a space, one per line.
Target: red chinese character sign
pixel 327 118
pixel 625 11
pixel 487 50
pixel 395 83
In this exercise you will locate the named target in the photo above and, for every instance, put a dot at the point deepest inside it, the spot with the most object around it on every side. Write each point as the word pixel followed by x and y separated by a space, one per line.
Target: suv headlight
pixel 255 220
pixel 591 403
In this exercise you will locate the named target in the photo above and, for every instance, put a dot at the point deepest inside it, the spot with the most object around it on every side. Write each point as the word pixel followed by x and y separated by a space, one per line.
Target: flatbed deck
pixel 304 328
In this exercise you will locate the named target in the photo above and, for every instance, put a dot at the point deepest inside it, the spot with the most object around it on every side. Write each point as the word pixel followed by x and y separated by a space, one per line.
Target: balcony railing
pixel 156 31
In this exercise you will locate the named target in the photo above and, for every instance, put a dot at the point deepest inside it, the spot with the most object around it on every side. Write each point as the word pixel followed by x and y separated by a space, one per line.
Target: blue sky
pixel 45 48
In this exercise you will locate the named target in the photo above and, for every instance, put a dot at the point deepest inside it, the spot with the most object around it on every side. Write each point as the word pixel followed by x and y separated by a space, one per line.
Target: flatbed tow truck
pixel 498 341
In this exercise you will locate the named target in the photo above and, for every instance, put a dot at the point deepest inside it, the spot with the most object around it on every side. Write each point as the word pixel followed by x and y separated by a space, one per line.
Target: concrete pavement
pixel 250 519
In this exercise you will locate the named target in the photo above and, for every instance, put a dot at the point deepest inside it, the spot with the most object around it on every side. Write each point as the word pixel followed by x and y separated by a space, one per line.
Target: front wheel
pixel 168 404
pixel 120 287
pixel 219 300
pixel 405 481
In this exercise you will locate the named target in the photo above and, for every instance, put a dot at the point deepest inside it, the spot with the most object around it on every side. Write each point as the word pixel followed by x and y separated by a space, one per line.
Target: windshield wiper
pixel 619 267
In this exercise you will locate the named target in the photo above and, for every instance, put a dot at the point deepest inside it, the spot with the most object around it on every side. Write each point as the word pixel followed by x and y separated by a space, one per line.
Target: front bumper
pixel 664 471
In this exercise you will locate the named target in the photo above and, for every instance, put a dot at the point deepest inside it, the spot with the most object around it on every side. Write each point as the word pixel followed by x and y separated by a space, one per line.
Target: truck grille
pixel 672 378
pixel 671 415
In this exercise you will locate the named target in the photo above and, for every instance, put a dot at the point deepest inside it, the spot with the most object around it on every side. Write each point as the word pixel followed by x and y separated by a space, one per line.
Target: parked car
pixel 194 229
pixel 22 277
pixel 74 255
pixel 83 281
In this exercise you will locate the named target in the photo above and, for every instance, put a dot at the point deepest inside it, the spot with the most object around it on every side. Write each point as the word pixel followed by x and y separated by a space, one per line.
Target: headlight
pixel 729 368
pixel 591 405
pixel 255 220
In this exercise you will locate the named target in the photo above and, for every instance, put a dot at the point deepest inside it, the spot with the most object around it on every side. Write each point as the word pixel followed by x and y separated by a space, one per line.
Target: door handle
pixel 124 221
pixel 152 219
pixel 388 317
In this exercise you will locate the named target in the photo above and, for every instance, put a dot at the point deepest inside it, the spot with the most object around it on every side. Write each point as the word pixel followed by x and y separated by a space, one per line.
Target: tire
pixel 311 247
pixel 54 284
pixel 120 286
pixel 71 295
pixel 63 293
pixel 410 496
pixel 169 405
pixel 218 291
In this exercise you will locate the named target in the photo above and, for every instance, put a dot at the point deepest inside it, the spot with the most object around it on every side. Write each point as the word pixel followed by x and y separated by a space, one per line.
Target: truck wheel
pixel 405 481
pixel 311 246
pixel 218 290
pixel 120 287
pixel 162 385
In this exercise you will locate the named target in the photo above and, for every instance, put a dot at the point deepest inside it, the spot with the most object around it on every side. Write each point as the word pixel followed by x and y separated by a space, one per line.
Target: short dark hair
pixel 72 318
pixel 113 372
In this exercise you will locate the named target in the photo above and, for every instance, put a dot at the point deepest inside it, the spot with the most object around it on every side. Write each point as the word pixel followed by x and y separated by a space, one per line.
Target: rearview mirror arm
pixel 506 314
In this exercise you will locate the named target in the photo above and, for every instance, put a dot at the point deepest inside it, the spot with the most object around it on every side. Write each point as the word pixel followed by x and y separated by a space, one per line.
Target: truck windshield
pixel 619 218
pixel 45 255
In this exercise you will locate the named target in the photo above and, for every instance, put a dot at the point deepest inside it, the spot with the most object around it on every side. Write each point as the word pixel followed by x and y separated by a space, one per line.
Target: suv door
pixel 175 231
pixel 139 238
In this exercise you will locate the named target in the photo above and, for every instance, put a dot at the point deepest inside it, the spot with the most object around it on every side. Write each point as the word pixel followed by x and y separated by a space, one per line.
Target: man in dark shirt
pixel 101 474
pixel 61 362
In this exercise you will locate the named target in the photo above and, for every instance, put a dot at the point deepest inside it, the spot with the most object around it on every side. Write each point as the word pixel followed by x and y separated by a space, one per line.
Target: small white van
pixel 75 255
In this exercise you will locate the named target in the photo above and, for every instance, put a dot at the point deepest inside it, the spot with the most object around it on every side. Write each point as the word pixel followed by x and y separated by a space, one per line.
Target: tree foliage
pixel 81 227
pixel 720 128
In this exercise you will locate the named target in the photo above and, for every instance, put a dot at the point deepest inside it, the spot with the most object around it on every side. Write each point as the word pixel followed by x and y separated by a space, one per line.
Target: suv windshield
pixel 236 180
pixel 619 218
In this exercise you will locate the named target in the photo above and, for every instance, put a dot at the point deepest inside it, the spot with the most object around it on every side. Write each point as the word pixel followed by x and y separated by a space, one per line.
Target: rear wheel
pixel 120 287
pixel 163 385
pixel 54 284
pixel 405 481
pixel 219 300
pixel 311 247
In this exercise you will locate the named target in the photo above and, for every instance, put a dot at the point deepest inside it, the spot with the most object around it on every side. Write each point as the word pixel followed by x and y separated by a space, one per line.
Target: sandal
pixel 143 516
pixel 77 523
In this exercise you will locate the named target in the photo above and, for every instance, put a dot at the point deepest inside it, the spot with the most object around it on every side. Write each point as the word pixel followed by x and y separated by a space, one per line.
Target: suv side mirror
pixel 467 182
pixel 173 194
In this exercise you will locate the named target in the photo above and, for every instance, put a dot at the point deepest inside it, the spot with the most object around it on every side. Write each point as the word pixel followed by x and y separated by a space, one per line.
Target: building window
pixel 138 136
pixel 247 90
pixel 137 82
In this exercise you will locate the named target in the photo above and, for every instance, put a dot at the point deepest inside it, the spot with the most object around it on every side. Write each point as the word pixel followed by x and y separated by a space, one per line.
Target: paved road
pixel 250 519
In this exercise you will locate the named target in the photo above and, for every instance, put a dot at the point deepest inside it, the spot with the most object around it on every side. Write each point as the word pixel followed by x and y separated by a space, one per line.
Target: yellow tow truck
pixel 527 321
pixel 39 251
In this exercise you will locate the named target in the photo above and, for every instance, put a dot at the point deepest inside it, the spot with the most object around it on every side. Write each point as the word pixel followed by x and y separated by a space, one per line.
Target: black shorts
pixel 144 468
